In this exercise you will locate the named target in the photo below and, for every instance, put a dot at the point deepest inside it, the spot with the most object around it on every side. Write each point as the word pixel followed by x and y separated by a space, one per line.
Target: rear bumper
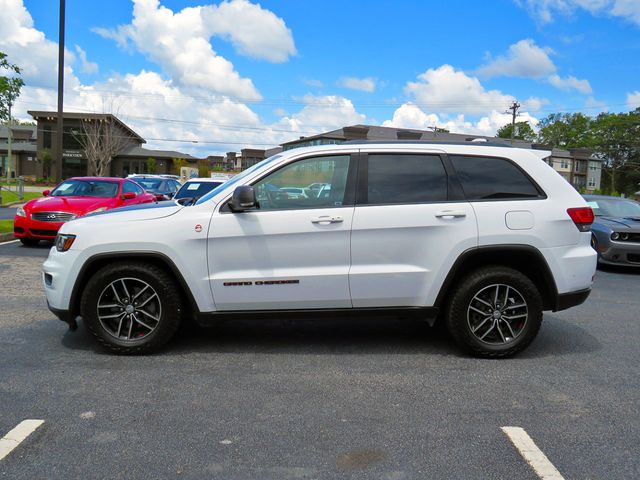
pixel 571 299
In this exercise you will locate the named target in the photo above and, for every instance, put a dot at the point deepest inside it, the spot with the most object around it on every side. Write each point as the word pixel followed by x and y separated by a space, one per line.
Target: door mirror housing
pixel 46 193
pixel 244 198
pixel 128 195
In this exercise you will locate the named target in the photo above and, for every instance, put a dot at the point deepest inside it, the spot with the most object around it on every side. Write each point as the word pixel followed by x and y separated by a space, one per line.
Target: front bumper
pixel 66 316
pixel 620 253
pixel 28 228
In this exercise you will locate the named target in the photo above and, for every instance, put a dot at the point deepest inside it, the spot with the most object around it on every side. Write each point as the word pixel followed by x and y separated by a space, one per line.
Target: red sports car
pixel 40 218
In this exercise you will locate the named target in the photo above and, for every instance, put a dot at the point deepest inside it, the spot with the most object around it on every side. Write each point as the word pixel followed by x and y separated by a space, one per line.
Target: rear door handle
pixel 327 219
pixel 448 214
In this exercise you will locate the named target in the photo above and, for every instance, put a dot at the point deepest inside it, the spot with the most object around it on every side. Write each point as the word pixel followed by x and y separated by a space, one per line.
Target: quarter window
pixel 485 178
pixel 318 182
pixel 399 178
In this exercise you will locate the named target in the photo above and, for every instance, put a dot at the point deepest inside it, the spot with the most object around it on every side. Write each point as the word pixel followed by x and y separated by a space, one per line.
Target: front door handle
pixel 449 214
pixel 327 219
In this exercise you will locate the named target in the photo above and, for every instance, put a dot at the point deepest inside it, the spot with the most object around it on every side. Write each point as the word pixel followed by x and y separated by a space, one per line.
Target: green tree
pixel 203 169
pixel 616 139
pixel 9 87
pixel 523 131
pixel 178 163
pixel 566 130
pixel 46 159
pixel 152 166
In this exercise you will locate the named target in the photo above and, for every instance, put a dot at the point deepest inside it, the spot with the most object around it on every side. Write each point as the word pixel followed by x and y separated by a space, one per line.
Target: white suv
pixel 482 237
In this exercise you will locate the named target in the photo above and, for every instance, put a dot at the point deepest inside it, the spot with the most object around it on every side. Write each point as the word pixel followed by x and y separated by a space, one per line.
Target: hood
pixel 632 223
pixel 77 205
pixel 145 211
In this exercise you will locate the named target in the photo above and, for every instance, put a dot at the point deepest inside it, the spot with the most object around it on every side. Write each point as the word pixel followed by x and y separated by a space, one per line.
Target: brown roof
pixel 85 116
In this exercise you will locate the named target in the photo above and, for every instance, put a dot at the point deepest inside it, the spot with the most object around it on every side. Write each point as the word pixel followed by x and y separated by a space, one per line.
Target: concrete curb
pixel 13 204
pixel 6 237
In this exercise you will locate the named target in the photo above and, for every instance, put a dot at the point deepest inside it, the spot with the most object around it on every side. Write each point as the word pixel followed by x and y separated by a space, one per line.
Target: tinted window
pixel 492 178
pixel 296 185
pixel 195 189
pixel 131 187
pixel 396 178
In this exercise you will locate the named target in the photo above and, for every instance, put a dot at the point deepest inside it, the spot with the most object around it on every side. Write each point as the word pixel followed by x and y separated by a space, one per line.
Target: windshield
pixel 195 189
pixel 237 178
pixel 149 184
pixel 86 188
pixel 604 207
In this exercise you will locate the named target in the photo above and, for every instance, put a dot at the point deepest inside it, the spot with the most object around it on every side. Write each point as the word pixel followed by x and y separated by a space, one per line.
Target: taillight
pixel 582 217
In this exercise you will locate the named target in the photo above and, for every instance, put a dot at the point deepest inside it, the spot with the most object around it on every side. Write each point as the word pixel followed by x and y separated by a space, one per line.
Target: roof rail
pixel 429 142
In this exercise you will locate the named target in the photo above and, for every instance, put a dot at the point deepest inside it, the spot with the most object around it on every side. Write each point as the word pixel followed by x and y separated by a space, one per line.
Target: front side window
pixel 318 182
pixel 131 187
pixel 400 178
pixel 489 178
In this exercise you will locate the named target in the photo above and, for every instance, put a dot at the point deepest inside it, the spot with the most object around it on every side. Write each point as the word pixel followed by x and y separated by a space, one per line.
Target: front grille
pixel 43 233
pixel 52 216
pixel 633 257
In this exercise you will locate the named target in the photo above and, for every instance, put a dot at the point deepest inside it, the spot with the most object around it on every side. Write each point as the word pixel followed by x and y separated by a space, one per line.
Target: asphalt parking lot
pixel 334 398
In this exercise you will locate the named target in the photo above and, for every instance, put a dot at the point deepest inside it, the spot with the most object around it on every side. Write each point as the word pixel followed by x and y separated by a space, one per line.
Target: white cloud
pixel 86 65
pixel 253 31
pixel 412 116
pixel 545 10
pixel 29 49
pixel 314 83
pixel 445 89
pixel 523 59
pixel 363 84
pixel 179 42
pixel 321 113
pixel 633 100
pixel 570 83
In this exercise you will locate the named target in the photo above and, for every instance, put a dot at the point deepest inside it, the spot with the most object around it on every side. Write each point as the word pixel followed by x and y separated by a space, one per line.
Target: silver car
pixel 616 230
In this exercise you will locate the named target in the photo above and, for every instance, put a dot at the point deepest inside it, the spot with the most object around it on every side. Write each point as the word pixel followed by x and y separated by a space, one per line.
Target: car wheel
pixel 594 245
pixel 495 312
pixel 30 242
pixel 132 308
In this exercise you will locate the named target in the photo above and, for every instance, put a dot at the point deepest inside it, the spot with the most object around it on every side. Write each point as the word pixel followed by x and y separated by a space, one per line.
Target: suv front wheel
pixel 131 308
pixel 494 312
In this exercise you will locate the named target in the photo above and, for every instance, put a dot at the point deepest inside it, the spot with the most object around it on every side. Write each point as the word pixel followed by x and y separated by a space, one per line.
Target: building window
pixel 564 164
pixel 593 166
pixel 46 137
pixel 592 182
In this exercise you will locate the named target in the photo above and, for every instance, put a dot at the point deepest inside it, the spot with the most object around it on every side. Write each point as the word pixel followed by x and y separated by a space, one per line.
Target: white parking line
pixel 16 436
pixel 7 243
pixel 532 454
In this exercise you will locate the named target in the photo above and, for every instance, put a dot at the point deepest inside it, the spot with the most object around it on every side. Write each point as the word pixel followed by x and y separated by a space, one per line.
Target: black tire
pixel 594 245
pixel 162 293
pixel 502 337
pixel 30 242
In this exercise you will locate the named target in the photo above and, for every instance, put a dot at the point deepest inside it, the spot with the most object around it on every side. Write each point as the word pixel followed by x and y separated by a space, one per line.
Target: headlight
pixel 615 236
pixel 64 242
pixel 624 236
pixel 101 209
pixel 20 212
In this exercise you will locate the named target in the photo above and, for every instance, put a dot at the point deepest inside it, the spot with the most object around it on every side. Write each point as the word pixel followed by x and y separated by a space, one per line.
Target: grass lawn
pixel 13 197
pixel 6 226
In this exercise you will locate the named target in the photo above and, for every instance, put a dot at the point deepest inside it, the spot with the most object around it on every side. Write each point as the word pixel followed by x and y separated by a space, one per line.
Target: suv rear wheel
pixel 132 308
pixel 495 312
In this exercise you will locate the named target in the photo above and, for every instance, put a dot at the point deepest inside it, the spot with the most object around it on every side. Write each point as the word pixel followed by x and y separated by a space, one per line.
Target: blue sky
pixel 234 74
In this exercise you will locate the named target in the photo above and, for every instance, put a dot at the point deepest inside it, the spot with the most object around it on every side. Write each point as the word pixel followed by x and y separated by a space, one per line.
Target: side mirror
pixel 244 198
pixel 46 193
pixel 170 195
pixel 128 195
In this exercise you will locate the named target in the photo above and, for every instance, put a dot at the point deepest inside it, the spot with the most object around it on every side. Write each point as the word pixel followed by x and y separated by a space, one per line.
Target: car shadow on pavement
pixel 621 269
pixel 337 336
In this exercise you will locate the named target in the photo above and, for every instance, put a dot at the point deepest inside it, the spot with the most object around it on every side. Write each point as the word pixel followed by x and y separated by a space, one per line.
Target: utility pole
pixel 514 113
pixel 58 153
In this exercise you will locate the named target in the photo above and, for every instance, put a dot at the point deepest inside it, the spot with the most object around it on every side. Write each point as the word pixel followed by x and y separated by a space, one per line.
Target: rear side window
pixel 398 178
pixel 488 178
